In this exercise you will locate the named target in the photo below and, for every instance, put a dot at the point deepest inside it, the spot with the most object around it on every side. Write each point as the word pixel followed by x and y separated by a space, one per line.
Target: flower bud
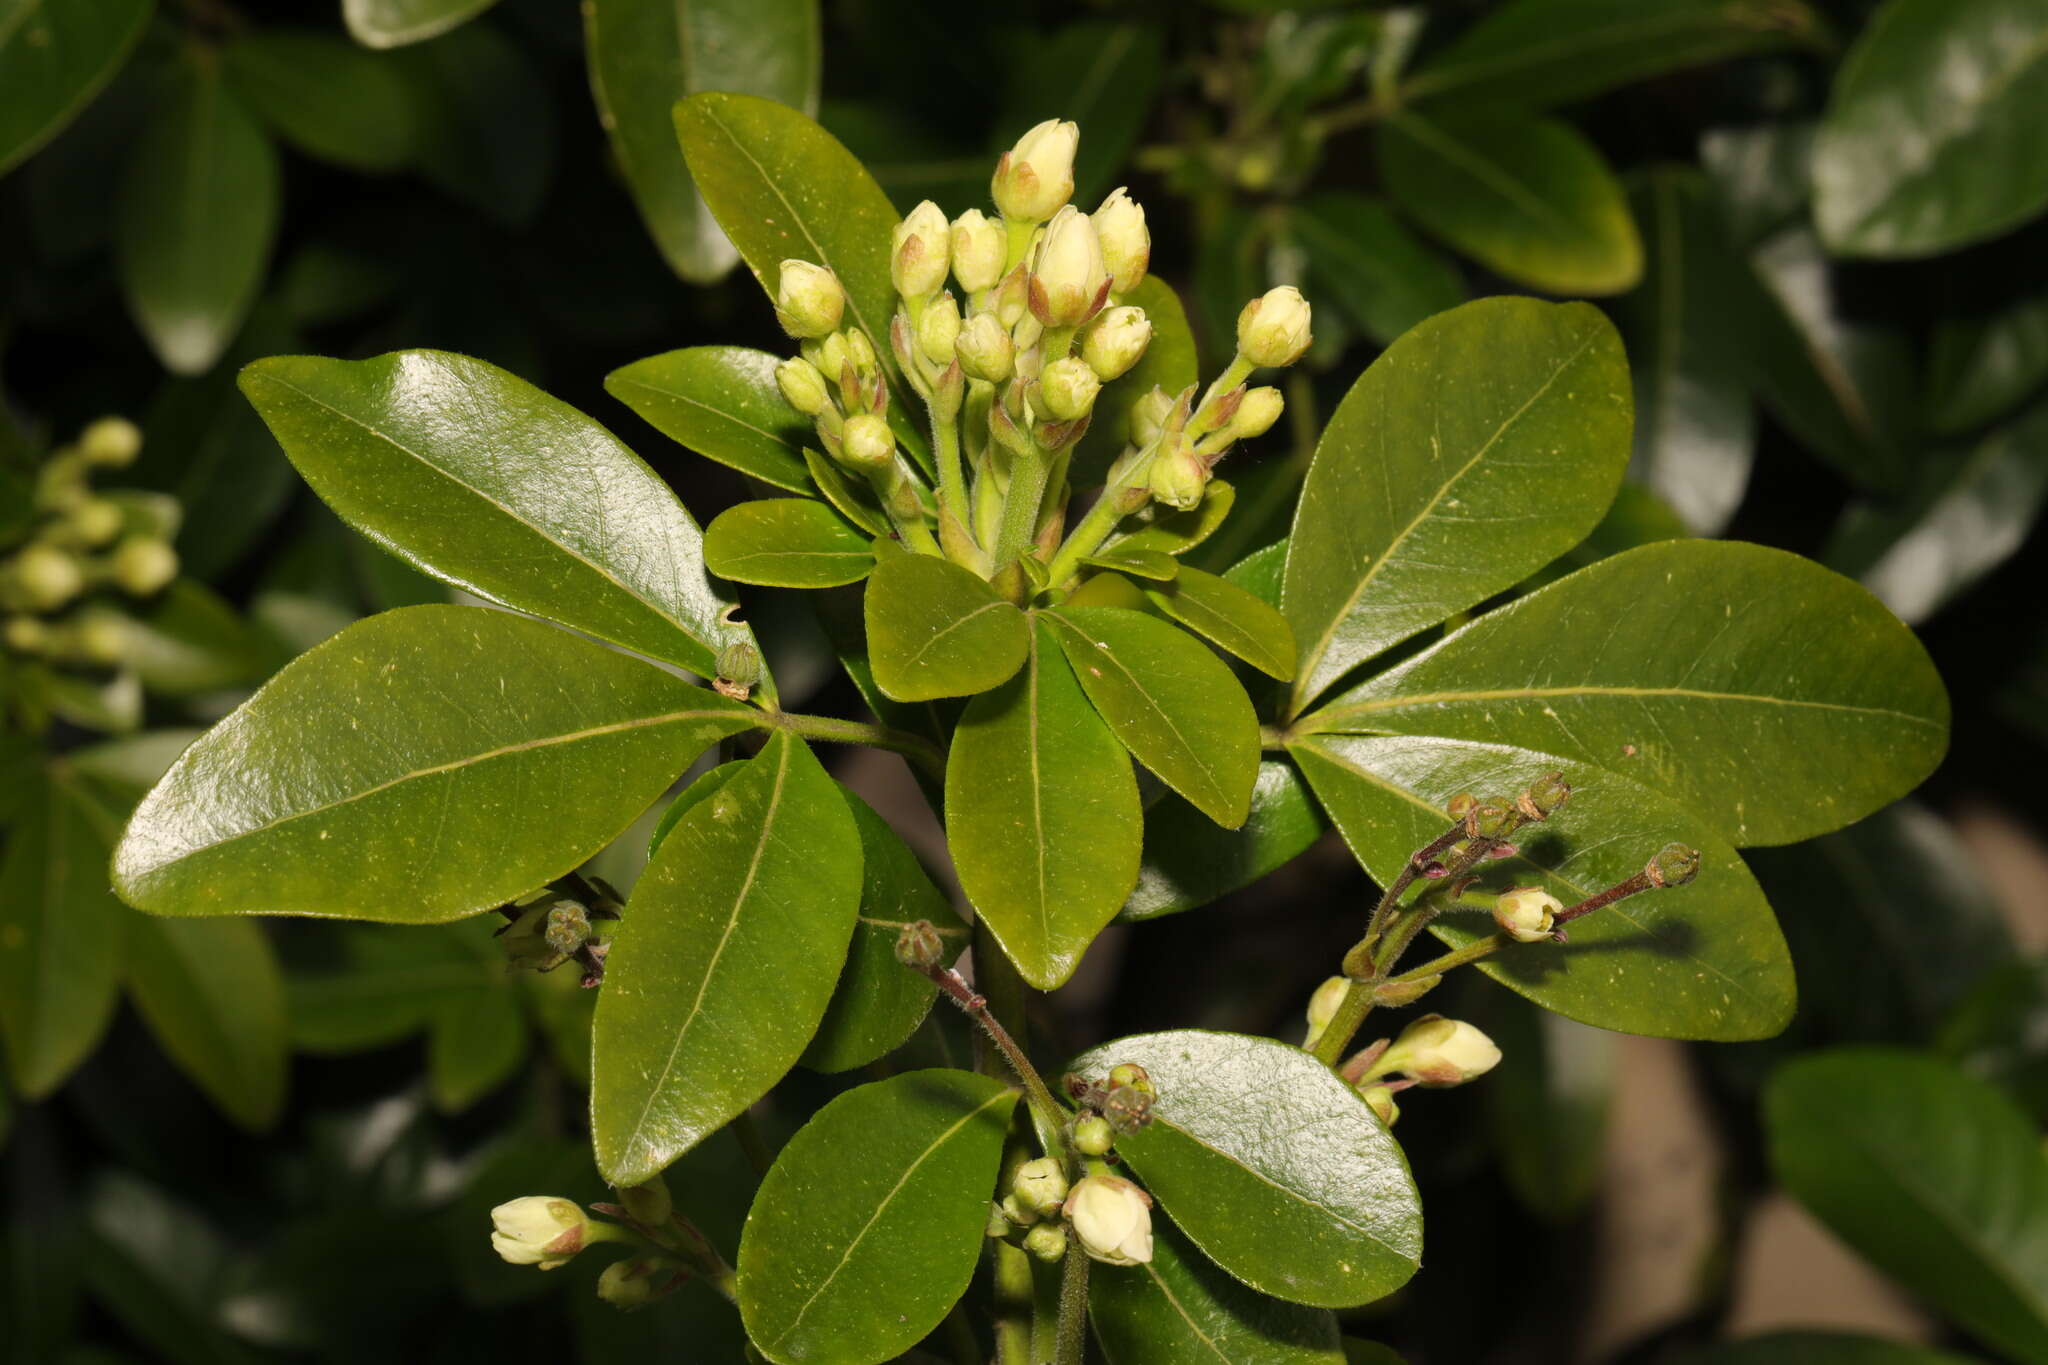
pixel 1047 1241
pixel 1127 1108
pixel 1134 1076
pixel 1148 416
pixel 1179 477
pixel 25 635
pixel 1068 388
pixel 939 329
pixel 1040 1185
pixel 539 1230
pixel 94 521
pixel 1256 415
pixel 567 928
pixel 1112 1218
pixel 980 250
pixel 1274 329
pixel 1380 1100
pixel 860 351
pixel 110 441
pixel 998 1224
pixel 1323 1005
pixel 918 945
pixel 808 299
pixel 1093 1136
pixel 1018 1212
pixel 1674 865
pixel 1126 242
pixel 803 386
pixel 143 565
pixel 985 349
pixel 1036 176
pixel 47 577
pixel 98 637
pixel 1115 340
pixel 920 252
pixel 1068 281
pixel 648 1202
pixel 1526 913
pixel 638 1281
pixel 529 941
pixel 1436 1051
pixel 867 441
pixel 833 357
pixel 1461 805
pixel 1544 796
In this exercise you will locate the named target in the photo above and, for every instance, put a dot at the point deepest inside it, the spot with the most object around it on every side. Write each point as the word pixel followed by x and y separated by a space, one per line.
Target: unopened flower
pixel 1115 340
pixel 144 564
pixel 1068 280
pixel 985 350
pixel 1273 329
pixel 808 299
pixel 1179 477
pixel 1148 416
pixel 46 577
pixel 980 250
pixel 1035 177
pixel 1040 1185
pixel 110 441
pixel 1126 241
pixel 867 441
pixel 1380 1100
pixel 1526 913
pixel 803 386
pixel 1258 412
pixel 1435 1051
pixel 539 1230
pixel 1323 1005
pixel 1112 1218
pixel 1093 1135
pixel 1047 1241
pixel 1068 388
pixel 920 252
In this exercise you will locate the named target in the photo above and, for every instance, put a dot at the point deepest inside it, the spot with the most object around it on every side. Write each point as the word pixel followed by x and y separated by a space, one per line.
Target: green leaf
pixel 1160 528
pixel 189 641
pixel 395 23
pixel 1169 363
pixel 1997 1032
pixel 199 209
pixel 476 477
pixel 880 1002
pixel 1189 862
pixel 1547 1113
pixel 1760 173
pixel 487 120
pixel 1776 699
pixel 60 937
pixel 422 765
pixel 1319 1210
pixel 1477 448
pixel 854 497
pixel 213 995
pixel 1525 196
pixel 1170 701
pixel 1152 565
pixel 867 1228
pixel 1637 517
pixel 736 931
pixel 1819 1348
pixel 786 543
pixel 1929 1174
pixel 54 58
pixel 1932 138
pixel 1543 53
pixel 1979 368
pixel 385 985
pixel 1042 815
pixel 478 1040
pixel 722 402
pixel 1180 1309
pixel 1230 618
pixel 1357 1352
pixel 1695 431
pixel 325 96
pixel 160 1268
pixel 1704 960
pixel 647 54
pixel 1371 265
pixel 938 630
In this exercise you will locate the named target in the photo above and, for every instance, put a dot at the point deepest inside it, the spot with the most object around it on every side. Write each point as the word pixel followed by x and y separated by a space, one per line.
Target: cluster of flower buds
pixel 549 1231
pixel 561 922
pixel 1111 1108
pixel 80 546
pixel 1010 369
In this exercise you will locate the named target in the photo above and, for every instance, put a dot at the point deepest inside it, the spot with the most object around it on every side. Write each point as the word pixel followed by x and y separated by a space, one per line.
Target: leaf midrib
pixel 1189 752
pixel 1328 720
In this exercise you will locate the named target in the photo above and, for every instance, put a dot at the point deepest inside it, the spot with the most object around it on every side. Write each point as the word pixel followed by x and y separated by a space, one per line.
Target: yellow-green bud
pixel 1126 242
pixel 1322 1007
pixel 1068 388
pixel 1040 1185
pixel 1148 416
pixel 985 349
pixel 1134 1076
pixel 47 577
pixel 1112 1219
pixel 638 1281
pixel 111 441
pixel 1380 1100
pixel 143 565
pixel 26 635
pixel 1047 1241
pixel 1018 1212
pixel 939 329
pixel 803 386
pixel 1435 1051
pixel 920 252
pixel 1115 340
pixel 1543 796
pixel 739 663
pixel 1179 477
pixel 860 351
pixel 1093 1135
pixel 1036 176
pixel 809 299
pixel 833 357
pixel 1526 913
pixel 867 441
pixel 1674 865
pixel 1273 329
pixel 94 521
pixel 649 1203
pixel 99 637
pixel 980 250
pixel 539 1230
pixel 1256 415
pixel 918 945
pixel 1068 281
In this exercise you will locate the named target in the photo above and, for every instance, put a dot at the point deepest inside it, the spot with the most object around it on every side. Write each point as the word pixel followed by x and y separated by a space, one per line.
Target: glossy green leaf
pixel 1933 136
pixel 422 765
pixel 1527 197
pixel 1042 815
pixel 786 543
pixel 1189 862
pixel 867 1228
pixel 1158 527
pixel 1637 517
pixel 478 1039
pixel 325 96
pixel 1704 960
pixel 647 54
pixel 1319 1210
pixel 54 58
pixel 60 937
pixel 1695 431
pixel 1760 175
pixel 212 993
pixel 1546 1115
pixel 1151 565
pixel 198 217
pixel 938 630
pixel 395 23
pixel 1373 268
pixel 1170 701
pixel 1979 368
pixel 1230 618
pixel 1929 1174
pixel 736 930
pixel 880 1002
pixel 487 120
pixel 1179 1309
pixel 722 402
pixel 1541 53
pixel 476 477
pixel 187 640
pixel 852 495
pixel 1776 699
pixel 1999 1031
pixel 1169 363
pixel 386 984
pixel 1476 449
pixel 1357 1352
pixel 1819 1348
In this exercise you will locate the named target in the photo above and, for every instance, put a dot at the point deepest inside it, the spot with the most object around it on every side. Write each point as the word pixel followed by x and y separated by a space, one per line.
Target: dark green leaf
pixel 1180 1310
pixel 2000 1032
pixel 1158 527
pixel 387 984
pixel 1373 267
pixel 473 475
pixel 867 1228
pixel 1819 1348
pixel 160 1268
pixel 1705 960
pixel 199 213
pixel 1189 862
pixel 54 58
pixel 1637 517
pixel 478 1040
pixel 1170 701
pixel 1152 565
pixel 1231 618
pixel 1525 196
pixel 1776 699
pixel 325 96
pixel 1933 137
pixel 647 54
pixel 1760 175
pixel 736 931
pixel 720 401
pixel 211 992
pixel 394 23
pixel 1928 1173
pixel 1320 1210
pixel 1042 815
pixel 422 765
pixel 1982 367
pixel 938 630
pixel 786 543
pixel 1169 363
pixel 853 496
pixel 1476 449
pixel 705 786
pixel 486 116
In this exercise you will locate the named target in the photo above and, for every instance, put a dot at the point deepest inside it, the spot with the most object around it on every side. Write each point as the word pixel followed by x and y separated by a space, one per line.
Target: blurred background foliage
pixel 1813 220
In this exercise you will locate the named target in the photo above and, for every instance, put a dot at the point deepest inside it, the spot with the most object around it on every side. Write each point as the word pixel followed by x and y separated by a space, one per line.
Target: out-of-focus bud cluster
pixel 561 922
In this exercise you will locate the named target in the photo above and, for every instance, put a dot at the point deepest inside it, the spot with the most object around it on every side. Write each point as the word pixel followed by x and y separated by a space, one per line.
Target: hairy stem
pixel 976 1006
pixel 1073 1336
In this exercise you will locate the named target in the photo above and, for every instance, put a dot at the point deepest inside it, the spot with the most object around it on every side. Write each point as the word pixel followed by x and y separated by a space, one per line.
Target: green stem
pixel 1073 1337
pixel 914 747
pixel 1020 506
pixel 1236 372
pixel 1052 1116
pixel 1457 957
pixel 952 473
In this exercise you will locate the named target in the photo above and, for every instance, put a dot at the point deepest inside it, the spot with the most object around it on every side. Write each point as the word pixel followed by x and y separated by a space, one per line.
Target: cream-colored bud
pixel 94 521
pixel 1323 1005
pixel 980 250
pixel 1258 412
pixel 809 299
pixel 860 351
pixel 1114 341
pixel 99 637
pixel 46 577
pixel 143 565
pixel 1179 477
pixel 1526 913
pixel 1018 1212
pixel 1380 1100
pixel 1035 177
pixel 1273 329
pixel 1126 241
pixel 803 386
pixel 939 329
pixel 110 441
pixel 1092 1135
pixel 1047 1241
pixel 1068 388
pixel 1068 280
pixel 1435 1051
pixel 539 1230
pixel 1148 416
pixel 867 441
pixel 1112 1219
pixel 985 349
pixel 1041 1185
pixel 920 252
